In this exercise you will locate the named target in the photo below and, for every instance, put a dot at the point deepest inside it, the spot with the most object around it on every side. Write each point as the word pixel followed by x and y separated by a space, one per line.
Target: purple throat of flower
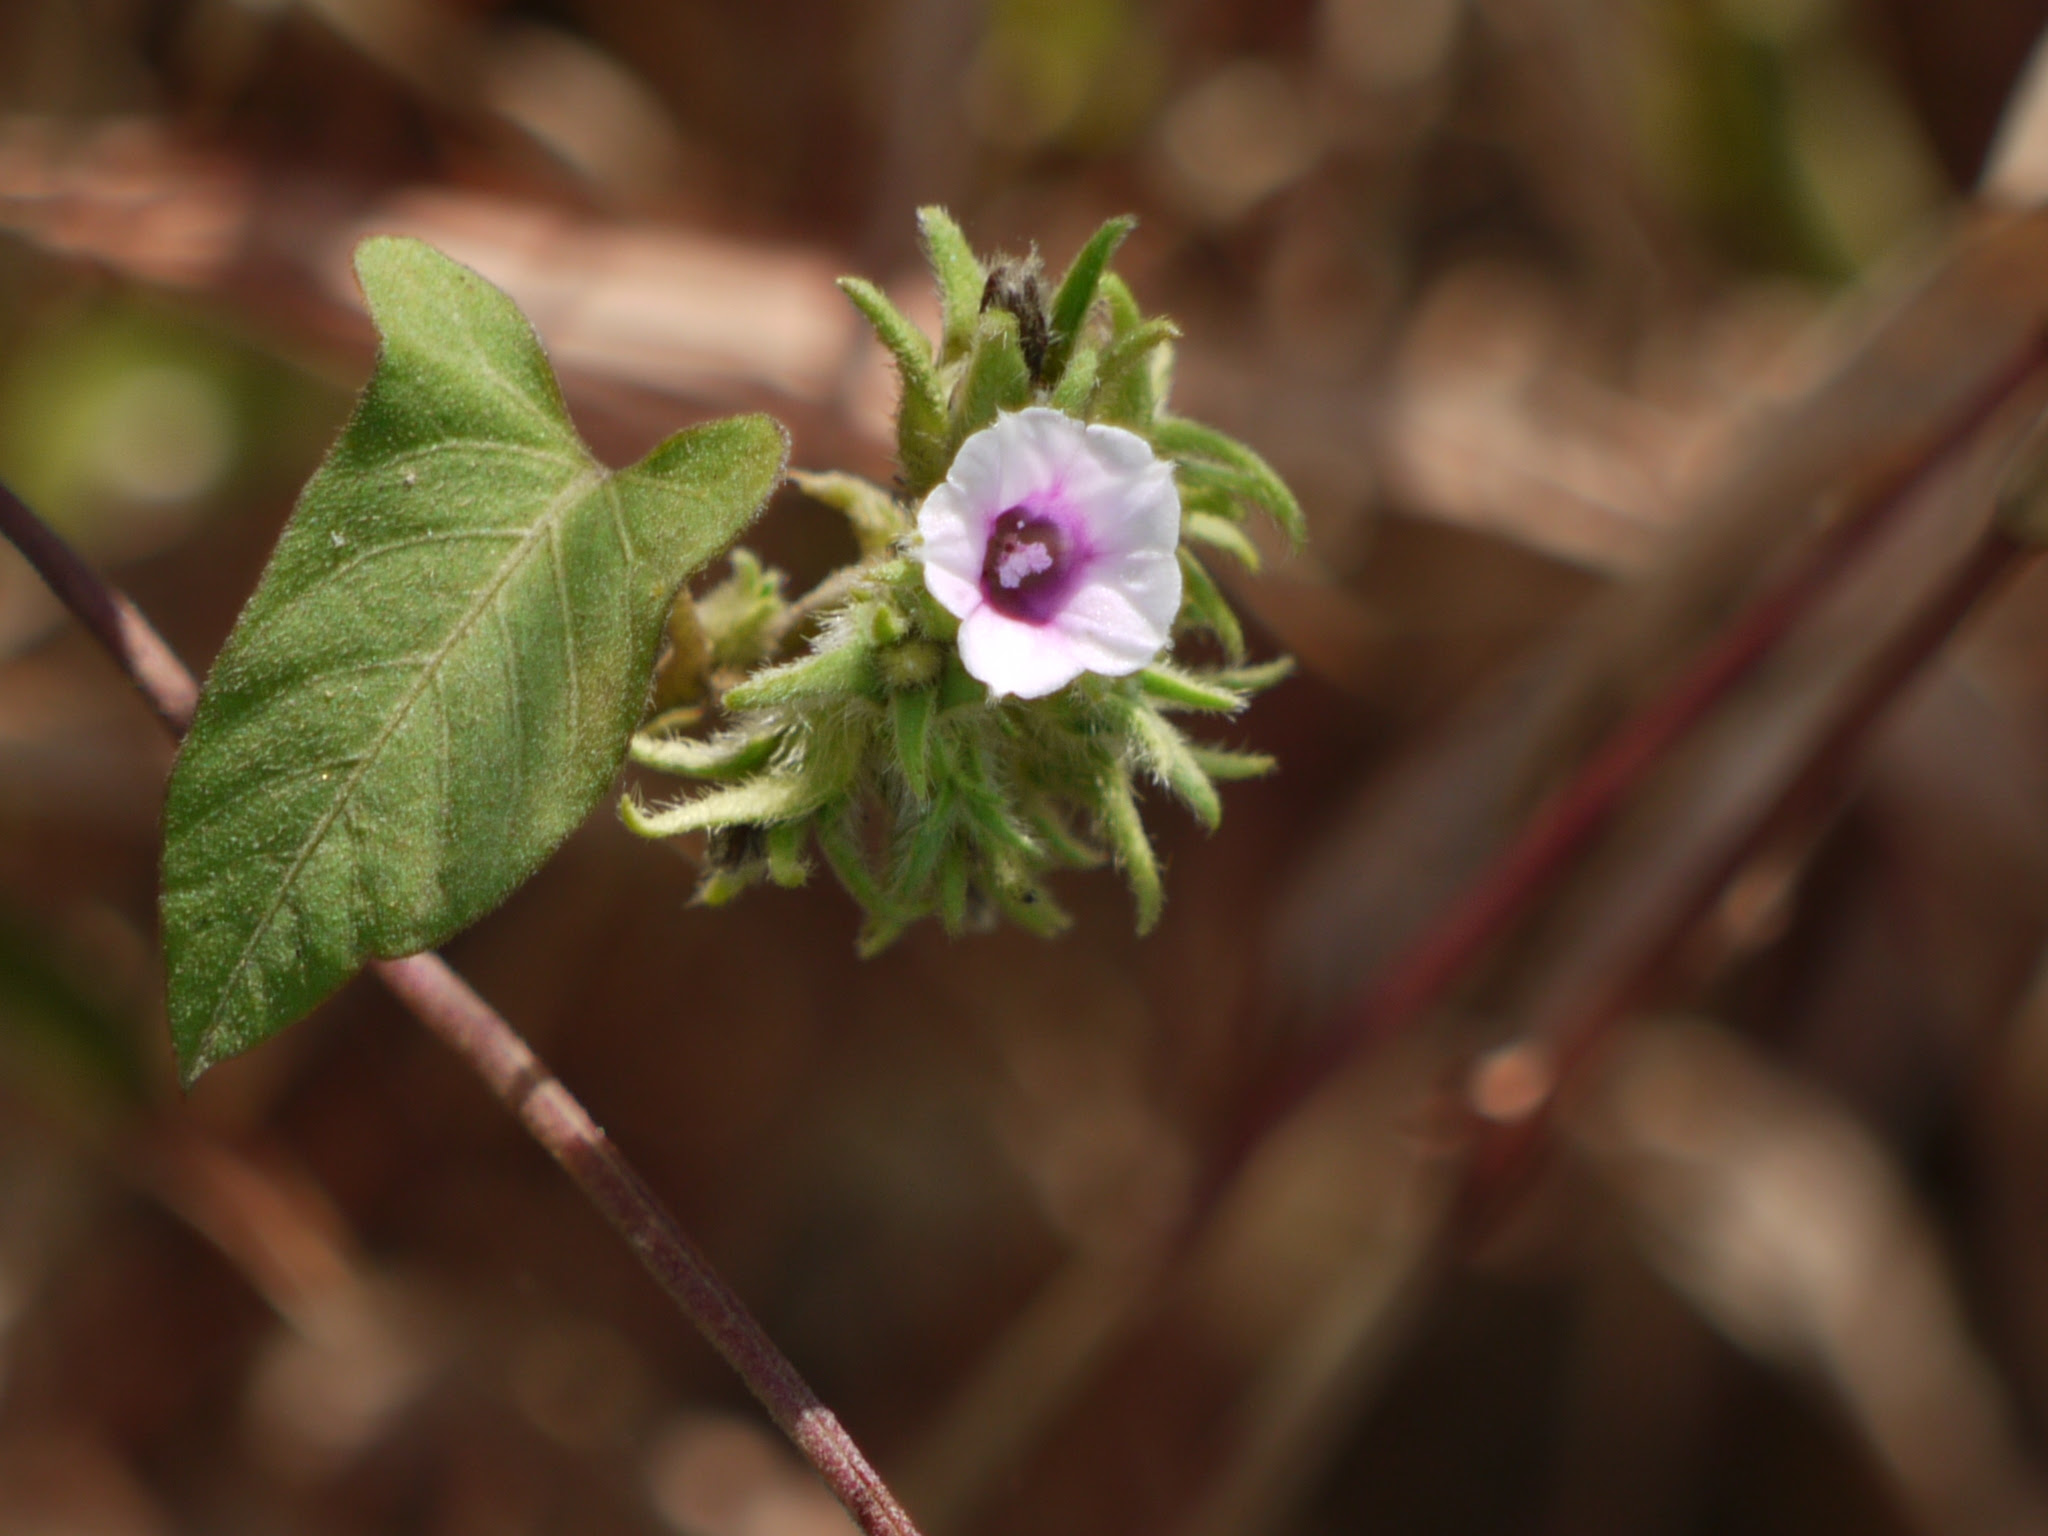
pixel 1030 565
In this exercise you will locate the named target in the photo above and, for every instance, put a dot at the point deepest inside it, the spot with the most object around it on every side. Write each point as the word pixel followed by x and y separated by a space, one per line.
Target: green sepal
pixel 1058 839
pixel 877 934
pixel 1076 388
pixel 997 377
pixel 955 874
pixel 1122 304
pixel 760 801
pixel 1176 689
pixel 1133 851
pixel 910 720
pixel 1205 600
pixel 731 756
pixel 918 854
pixel 838 834
pixel 1031 907
pixel 1220 533
pixel 960 278
pixel 1077 290
pixel 958 687
pixel 1200 450
pixel 722 884
pixel 741 616
pixel 842 670
pixel 1231 766
pixel 787 866
pixel 1130 355
pixel 987 812
pixel 876 517
pixel 921 414
pixel 1171 758
pixel 1257 678
pixel 1135 398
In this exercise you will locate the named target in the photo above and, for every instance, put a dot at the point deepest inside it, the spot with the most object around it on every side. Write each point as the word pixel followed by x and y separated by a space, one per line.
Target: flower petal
pixel 1114 628
pixel 1125 509
pixel 952 541
pixel 1149 579
pixel 1111 497
pixel 1028 660
pixel 1000 466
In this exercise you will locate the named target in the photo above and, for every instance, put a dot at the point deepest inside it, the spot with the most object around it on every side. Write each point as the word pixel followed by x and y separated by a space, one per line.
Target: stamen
pixel 1026 570
pixel 1023 560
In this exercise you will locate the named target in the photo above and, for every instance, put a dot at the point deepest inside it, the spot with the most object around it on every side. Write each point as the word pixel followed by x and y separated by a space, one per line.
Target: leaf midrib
pixel 543 529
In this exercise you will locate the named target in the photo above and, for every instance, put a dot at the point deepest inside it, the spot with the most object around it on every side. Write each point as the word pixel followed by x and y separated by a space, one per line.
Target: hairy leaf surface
pixel 438 675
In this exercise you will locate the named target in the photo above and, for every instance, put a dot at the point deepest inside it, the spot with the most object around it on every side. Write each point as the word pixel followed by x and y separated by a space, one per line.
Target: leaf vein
pixel 568 630
pixel 509 654
pixel 437 536
pixel 618 520
pixel 543 531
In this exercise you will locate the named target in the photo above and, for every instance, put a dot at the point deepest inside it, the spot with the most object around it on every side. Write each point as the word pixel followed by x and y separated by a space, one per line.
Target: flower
pixel 1054 542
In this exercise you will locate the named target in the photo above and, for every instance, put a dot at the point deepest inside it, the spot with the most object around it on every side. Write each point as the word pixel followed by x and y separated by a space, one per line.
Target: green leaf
pixel 438 674
pixel 921 415
pixel 1077 291
pixel 960 278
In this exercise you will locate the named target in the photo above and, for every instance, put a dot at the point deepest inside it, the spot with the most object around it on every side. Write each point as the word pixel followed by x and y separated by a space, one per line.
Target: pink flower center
pixel 1028 566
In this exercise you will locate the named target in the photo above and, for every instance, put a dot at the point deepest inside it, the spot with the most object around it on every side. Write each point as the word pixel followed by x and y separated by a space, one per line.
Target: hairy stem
pixel 454 1012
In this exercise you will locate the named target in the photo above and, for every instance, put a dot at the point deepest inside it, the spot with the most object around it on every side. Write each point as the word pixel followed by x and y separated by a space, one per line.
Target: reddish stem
pixel 1562 827
pixel 1561 1036
pixel 448 1006
pixel 114 621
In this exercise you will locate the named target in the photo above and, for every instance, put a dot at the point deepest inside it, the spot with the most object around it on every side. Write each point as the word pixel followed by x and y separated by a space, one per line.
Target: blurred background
pixel 1572 322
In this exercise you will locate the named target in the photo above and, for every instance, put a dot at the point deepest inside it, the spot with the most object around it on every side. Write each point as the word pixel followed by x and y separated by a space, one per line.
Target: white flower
pixel 1054 542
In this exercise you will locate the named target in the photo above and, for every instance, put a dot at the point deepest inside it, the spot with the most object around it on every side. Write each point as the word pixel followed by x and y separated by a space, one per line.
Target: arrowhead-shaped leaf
pixel 438 674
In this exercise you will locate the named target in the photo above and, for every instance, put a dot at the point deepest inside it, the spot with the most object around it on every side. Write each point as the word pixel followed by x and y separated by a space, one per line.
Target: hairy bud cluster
pixel 986 687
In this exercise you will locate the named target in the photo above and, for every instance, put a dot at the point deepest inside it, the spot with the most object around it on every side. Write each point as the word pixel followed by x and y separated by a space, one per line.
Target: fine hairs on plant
pixel 448 659
pixel 981 691
pixel 469 622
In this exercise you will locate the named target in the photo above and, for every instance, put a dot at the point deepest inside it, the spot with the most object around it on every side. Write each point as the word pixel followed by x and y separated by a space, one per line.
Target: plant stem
pixel 113 620
pixel 449 1007
pixel 453 1011
pixel 1565 1032
pixel 1564 826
